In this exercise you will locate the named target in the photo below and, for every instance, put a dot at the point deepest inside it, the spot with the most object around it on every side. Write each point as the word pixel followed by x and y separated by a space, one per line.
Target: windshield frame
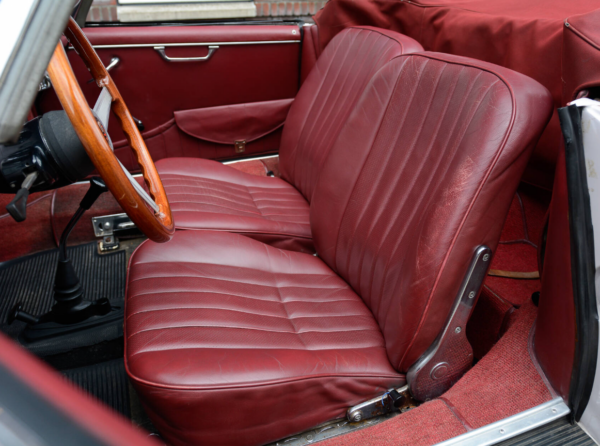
pixel 29 55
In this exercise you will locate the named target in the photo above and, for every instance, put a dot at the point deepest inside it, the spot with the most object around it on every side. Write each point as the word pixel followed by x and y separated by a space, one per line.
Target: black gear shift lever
pixel 70 307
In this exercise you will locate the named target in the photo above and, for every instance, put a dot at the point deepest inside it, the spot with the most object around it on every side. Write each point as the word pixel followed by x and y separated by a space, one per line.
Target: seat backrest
pixel 423 173
pixel 328 95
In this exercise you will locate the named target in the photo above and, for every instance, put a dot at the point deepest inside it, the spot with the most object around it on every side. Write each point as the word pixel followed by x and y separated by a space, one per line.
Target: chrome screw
pixel 457 330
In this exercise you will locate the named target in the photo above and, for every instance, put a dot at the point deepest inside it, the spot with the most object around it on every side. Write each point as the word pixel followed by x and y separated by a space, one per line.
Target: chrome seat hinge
pixel 393 400
pixel 451 355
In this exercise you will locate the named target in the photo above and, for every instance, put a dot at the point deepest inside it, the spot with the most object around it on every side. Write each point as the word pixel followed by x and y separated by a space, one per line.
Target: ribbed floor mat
pixel 557 433
pixel 29 280
pixel 107 381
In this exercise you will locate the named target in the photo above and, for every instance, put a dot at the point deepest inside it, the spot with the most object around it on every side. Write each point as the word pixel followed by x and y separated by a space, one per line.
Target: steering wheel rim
pixel 157 225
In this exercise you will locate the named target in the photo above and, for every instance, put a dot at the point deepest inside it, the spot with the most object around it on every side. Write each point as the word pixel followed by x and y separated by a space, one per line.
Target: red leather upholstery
pixel 227 124
pixel 231 341
pixel 327 97
pixel 424 172
pixel 154 89
pixel 206 194
pixel 313 123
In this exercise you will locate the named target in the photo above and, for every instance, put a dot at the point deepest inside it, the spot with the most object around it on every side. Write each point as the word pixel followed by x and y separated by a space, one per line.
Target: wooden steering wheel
pixel 151 213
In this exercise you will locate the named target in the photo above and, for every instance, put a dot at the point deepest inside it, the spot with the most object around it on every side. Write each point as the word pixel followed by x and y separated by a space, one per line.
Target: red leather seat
pixel 207 195
pixel 230 341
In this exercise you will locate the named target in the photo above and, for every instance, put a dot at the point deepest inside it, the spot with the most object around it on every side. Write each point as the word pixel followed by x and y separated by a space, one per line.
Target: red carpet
pixel 517 252
pixel 504 383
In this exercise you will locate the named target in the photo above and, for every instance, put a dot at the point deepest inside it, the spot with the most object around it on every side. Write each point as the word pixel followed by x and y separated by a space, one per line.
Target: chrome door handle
pixel 113 63
pixel 161 51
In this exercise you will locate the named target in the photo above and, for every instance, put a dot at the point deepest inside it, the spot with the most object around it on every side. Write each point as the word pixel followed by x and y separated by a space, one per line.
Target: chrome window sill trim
pixel 152 45
pixel 512 426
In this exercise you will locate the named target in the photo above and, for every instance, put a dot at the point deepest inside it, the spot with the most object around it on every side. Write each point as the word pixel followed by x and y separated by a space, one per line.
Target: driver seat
pixel 230 341
pixel 206 194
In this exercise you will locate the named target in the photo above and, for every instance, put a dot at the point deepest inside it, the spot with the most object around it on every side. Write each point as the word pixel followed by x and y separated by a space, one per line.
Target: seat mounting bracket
pixel 393 400
pixel 451 355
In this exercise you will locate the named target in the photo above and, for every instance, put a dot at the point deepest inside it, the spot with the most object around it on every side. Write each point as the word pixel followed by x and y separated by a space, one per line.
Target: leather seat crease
pixel 207 195
pixel 231 341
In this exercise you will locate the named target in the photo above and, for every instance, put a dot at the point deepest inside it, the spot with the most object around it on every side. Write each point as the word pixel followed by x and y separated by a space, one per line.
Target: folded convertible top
pixel 553 41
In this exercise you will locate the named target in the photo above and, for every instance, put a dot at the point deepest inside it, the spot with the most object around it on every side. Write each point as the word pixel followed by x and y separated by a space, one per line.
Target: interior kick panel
pixel 251 64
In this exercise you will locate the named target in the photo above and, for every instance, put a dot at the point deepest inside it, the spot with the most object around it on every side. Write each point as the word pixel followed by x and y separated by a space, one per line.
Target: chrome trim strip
pixel 265 157
pixel 152 45
pixel 512 426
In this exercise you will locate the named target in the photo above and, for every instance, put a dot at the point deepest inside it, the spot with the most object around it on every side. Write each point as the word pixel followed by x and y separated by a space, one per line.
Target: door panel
pixel 253 63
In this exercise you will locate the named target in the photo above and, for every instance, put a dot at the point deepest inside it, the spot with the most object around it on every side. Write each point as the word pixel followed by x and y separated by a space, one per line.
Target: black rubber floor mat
pixel 557 433
pixel 107 381
pixel 30 280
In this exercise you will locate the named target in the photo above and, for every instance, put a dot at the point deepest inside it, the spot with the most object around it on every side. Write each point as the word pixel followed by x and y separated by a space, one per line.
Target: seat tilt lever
pixel 394 399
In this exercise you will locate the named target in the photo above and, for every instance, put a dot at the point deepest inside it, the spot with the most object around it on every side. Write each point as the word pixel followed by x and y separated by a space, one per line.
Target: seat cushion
pixel 228 338
pixel 205 194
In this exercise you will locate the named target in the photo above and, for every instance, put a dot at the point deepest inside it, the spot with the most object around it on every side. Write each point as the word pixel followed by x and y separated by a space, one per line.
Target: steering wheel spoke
pixel 102 107
pixel 140 190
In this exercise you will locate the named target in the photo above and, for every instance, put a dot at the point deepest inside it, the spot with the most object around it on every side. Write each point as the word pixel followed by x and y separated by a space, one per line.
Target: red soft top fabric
pixel 535 9
pixel 524 35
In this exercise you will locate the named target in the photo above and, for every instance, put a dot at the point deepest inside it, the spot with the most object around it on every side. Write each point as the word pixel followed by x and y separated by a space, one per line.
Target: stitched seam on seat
pixel 239 281
pixel 249 215
pixel 247 311
pixel 259 383
pixel 198 198
pixel 232 211
pixel 240 296
pixel 251 269
pixel 236 187
pixel 205 183
pixel 184 327
pixel 254 202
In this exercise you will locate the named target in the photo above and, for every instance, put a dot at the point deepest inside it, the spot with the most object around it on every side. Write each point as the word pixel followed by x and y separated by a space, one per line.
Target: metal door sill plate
pixel 512 426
